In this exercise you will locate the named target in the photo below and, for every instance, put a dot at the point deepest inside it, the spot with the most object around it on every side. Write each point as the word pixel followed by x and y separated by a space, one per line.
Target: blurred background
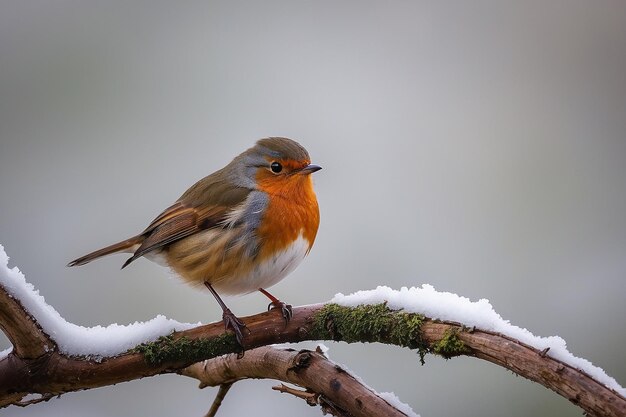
pixel 476 146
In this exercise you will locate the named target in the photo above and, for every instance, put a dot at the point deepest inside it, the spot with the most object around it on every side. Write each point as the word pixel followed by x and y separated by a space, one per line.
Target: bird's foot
pixel 235 324
pixel 285 309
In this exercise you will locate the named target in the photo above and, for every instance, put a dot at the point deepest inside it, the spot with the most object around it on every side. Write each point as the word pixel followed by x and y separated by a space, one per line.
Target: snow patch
pixel 5 352
pixel 394 401
pixel 452 307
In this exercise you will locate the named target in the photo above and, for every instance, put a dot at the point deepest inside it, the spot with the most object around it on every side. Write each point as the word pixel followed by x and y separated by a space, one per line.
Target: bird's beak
pixel 309 169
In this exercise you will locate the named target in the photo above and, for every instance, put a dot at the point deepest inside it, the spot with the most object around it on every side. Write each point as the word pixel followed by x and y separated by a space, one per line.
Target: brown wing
pixel 181 220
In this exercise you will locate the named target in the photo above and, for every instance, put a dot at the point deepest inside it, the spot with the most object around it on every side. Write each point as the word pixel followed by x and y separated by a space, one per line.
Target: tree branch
pixel 31 368
pixel 219 397
pixel 27 338
pixel 327 383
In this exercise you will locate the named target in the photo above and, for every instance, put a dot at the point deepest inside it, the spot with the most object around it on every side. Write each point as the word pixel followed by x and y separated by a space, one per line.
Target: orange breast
pixel 292 212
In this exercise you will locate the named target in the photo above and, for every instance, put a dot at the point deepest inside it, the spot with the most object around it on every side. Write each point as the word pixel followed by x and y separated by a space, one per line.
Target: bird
pixel 238 230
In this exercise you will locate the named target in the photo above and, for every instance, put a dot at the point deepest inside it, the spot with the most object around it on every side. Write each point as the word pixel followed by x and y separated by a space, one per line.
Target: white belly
pixel 267 273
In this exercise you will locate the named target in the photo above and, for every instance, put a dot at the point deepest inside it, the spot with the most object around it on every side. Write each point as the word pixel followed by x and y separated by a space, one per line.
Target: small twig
pixel 219 397
pixel 313 399
pixel 309 397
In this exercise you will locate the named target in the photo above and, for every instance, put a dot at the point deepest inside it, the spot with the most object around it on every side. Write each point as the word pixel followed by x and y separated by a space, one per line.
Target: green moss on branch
pixel 450 345
pixel 371 323
pixel 169 349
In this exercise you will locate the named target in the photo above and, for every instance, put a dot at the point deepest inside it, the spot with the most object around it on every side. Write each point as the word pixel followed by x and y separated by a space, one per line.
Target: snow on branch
pixel 451 307
pixel 52 357
pixel 71 339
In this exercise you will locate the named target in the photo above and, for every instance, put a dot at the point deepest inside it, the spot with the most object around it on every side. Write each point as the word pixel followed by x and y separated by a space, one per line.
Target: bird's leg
pixel 285 309
pixel 230 320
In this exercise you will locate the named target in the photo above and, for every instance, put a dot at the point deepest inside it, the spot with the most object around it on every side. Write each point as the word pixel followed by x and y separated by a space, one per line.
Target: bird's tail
pixel 127 245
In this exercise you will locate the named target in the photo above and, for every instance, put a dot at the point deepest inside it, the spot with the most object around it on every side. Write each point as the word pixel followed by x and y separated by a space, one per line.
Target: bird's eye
pixel 276 167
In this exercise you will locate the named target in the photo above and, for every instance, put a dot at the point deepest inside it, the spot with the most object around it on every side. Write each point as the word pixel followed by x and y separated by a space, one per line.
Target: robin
pixel 241 229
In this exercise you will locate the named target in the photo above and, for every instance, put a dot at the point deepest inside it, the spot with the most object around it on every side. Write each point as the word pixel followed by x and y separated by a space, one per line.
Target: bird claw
pixel 235 324
pixel 285 309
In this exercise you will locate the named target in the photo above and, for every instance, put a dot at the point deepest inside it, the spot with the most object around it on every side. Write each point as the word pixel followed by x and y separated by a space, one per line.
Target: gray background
pixel 476 146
